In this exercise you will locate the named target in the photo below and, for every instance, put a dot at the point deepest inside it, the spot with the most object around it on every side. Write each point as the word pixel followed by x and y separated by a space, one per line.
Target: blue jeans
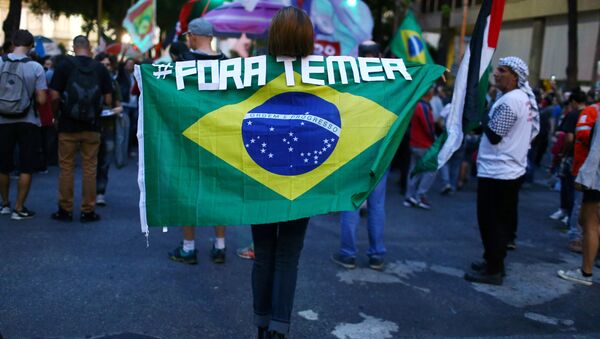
pixel 106 154
pixel 277 249
pixel 451 169
pixel 375 224
pixel 419 185
pixel 575 231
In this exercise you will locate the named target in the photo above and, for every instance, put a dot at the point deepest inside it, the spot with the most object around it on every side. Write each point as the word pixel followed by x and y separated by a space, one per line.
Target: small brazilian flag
pixel 408 42
pixel 272 146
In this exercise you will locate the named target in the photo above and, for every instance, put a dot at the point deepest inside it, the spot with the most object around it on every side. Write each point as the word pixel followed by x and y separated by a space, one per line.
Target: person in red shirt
pixel 422 136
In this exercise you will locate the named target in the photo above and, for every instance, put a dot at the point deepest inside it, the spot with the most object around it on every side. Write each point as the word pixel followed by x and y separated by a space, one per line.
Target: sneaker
pixel 575 246
pixel 24 213
pixel 558 215
pixel 62 215
pixel 186 257
pixel 246 252
pixel 89 217
pixel 5 209
pixel 217 255
pixel 100 200
pixel 446 190
pixel 565 220
pixel 376 263
pixel 344 261
pixel 575 276
pixel 484 278
pixel 424 204
pixel 410 202
pixel 511 245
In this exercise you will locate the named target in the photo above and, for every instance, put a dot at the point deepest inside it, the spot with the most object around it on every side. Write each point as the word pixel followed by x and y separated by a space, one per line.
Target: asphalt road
pixel 101 280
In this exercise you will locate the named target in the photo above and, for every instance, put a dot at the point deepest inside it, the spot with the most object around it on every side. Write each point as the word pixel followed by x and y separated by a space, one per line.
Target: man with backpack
pixel 79 85
pixel 22 83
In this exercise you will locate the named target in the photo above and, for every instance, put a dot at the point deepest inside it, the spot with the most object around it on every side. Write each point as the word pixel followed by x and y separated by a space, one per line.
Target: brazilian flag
pixel 408 42
pixel 268 149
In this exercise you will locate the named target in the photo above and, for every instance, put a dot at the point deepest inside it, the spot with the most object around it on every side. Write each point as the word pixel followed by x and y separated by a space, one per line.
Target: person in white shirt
pixel 512 123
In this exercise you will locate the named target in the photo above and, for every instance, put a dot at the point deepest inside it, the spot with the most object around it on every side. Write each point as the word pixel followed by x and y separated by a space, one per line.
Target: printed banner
pixel 259 140
pixel 140 23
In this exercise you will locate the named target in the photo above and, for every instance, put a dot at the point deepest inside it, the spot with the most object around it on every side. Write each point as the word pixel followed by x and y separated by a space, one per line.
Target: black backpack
pixel 15 99
pixel 82 95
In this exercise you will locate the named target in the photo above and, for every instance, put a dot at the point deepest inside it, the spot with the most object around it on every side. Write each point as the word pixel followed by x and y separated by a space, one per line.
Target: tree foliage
pixel 113 12
pixel 11 23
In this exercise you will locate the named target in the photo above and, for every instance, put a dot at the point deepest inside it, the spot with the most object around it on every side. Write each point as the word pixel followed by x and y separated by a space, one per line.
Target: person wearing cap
pixel 199 35
pixel 509 128
pixel 349 220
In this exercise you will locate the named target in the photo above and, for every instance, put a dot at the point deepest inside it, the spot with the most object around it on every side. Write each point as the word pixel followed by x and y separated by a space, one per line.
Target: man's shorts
pixel 27 137
pixel 591 196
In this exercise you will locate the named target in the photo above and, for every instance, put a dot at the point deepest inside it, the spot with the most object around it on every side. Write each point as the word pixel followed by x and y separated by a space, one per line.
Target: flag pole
pixel 463 29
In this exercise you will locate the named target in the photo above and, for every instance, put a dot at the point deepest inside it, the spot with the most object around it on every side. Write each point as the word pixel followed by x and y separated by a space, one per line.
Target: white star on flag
pixel 249 123
pixel 291 149
pixel 270 155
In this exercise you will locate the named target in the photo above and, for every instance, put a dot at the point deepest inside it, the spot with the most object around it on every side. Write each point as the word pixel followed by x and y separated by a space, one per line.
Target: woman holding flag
pixel 277 246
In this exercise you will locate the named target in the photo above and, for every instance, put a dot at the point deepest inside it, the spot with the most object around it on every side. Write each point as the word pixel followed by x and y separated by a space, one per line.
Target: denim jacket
pixel 589 173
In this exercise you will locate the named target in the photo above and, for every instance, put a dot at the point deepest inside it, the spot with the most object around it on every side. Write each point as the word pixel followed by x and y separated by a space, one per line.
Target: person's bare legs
pixel 220 232
pixel 590 219
pixel 189 232
pixel 4 184
pixel 23 190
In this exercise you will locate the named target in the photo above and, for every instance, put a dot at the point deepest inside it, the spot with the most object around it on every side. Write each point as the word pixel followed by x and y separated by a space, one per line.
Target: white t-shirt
pixel 35 79
pixel 511 118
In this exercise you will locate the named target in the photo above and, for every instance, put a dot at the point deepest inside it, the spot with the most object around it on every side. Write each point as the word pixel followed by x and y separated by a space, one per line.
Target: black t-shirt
pixel 568 125
pixel 62 71
pixel 191 55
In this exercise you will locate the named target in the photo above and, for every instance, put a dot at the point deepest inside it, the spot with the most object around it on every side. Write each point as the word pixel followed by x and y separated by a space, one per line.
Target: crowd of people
pixel 59 106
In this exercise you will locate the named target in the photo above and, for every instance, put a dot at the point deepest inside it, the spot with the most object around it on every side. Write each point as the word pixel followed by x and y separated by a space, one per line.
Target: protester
pixel 177 50
pixel 126 82
pixel 277 246
pixel 568 196
pixel 422 136
pixel 108 121
pixel 49 142
pixel 200 35
pixel 82 83
pixel 22 85
pixel 509 128
pixel 346 256
pixel 449 173
pixel 588 180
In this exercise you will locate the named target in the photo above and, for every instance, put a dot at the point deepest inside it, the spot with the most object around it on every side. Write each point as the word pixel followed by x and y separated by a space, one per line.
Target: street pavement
pixel 106 280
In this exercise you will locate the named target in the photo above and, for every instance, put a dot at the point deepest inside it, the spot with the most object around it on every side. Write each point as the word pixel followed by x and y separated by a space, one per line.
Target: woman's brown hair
pixel 291 33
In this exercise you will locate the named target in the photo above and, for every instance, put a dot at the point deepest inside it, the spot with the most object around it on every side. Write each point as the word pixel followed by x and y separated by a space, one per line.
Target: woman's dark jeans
pixel 277 249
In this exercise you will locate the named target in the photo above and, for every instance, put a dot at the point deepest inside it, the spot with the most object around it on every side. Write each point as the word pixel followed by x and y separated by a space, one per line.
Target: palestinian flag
pixel 470 87
pixel 193 9
pixel 261 143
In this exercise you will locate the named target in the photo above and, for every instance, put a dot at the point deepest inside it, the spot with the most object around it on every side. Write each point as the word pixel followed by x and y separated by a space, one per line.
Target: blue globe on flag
pixel 291 133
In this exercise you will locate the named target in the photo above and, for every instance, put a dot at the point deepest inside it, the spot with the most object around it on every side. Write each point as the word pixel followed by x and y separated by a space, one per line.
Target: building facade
pixel 534 30
pixel 61 29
